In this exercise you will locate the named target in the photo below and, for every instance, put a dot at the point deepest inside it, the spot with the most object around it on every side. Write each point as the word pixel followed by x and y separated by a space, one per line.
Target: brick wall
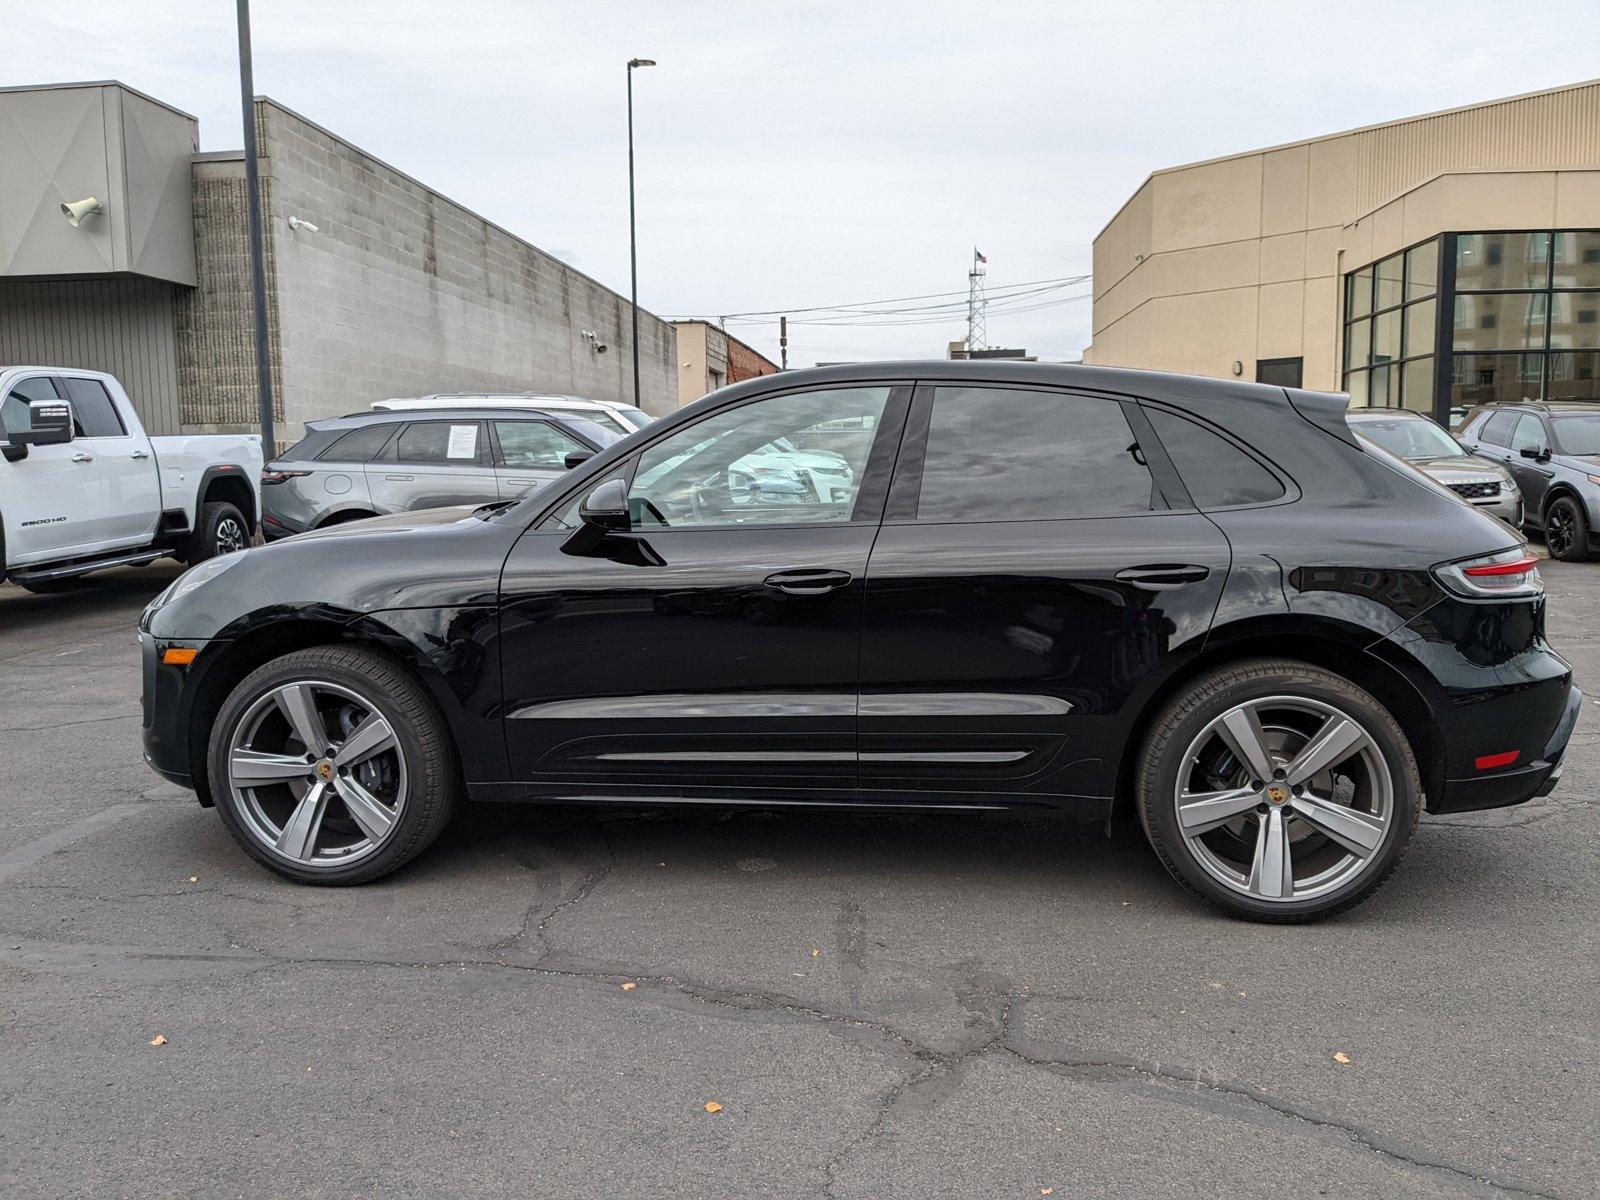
pixel 745 363
pixel 403 292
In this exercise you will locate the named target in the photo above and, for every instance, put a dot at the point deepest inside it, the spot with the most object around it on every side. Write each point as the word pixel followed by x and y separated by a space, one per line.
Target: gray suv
pixel 1553 450
pixel 376 463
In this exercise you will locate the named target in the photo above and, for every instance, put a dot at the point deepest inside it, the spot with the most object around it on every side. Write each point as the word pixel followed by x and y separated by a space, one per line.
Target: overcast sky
pixel 802 154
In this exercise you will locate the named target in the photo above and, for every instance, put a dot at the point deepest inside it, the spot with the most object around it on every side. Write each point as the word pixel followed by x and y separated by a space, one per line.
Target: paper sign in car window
pixel 463 442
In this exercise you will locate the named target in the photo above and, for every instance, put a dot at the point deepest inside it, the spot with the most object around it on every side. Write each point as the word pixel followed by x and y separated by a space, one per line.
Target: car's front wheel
pixel 332 766
pixel 1278 790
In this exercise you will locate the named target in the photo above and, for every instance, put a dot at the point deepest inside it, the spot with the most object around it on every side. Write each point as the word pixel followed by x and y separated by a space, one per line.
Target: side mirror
pixel 577 458
pixel 49 424
pixel 604 511
pixel 1535 452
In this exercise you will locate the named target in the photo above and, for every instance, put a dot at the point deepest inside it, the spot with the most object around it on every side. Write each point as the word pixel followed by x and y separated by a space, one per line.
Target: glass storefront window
pixel 1576 260
pixel 1496 321
pixel 1574 376
pixel 1419 328
pixel 1491 378
pixel 1575 321
pixel 1390 278
pixel 1490 261
pixel 1386 336
pixel 1422 270
pixel 1416 385
pixel 1358 349
pixel 1378 389
pixel 1358 294
pixel 1356 384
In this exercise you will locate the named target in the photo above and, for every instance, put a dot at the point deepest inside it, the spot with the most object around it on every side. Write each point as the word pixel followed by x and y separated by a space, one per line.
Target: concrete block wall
pixel 401 292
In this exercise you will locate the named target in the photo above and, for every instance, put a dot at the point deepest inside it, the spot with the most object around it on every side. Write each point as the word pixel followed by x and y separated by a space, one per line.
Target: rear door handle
pixel 1163 577
pixel 80 456
pixel 807 581
pixel 399 478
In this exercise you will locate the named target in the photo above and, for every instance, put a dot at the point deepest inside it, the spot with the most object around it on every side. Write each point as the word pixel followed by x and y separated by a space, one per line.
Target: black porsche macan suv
pixel 1059 588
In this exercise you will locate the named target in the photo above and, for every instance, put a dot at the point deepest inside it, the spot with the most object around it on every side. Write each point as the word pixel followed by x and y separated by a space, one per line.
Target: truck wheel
pixel 222 529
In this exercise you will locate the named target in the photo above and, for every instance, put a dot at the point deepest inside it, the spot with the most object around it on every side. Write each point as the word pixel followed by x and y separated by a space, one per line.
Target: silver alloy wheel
pixel 316 773
pixel 230 536
pixel 1284 798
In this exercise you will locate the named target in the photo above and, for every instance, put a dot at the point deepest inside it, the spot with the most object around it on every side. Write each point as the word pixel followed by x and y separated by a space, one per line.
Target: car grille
pixel 1476 491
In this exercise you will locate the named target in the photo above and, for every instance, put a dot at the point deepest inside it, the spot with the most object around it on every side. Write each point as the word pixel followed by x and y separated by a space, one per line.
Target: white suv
pixel 620 418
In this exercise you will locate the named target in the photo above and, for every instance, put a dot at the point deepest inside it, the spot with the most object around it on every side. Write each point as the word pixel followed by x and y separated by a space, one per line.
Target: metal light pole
pixel 258 265
pixel 633 237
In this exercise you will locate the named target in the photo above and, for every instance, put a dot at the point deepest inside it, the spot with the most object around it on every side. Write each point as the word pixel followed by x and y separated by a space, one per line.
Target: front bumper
pixel 165 733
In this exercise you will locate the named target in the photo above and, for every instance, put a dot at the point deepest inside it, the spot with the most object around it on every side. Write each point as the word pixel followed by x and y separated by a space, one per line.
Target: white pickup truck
pixel 82 487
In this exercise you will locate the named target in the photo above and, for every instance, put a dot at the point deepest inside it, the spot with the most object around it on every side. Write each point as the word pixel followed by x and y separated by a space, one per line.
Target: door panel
pixel 433 464
pixel 715 647
pixel 51 501
pixel 131 488
pixel 530 455
pixel 1000 657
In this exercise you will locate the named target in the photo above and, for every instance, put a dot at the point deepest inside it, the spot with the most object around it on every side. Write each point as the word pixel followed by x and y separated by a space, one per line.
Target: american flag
pixel 978 256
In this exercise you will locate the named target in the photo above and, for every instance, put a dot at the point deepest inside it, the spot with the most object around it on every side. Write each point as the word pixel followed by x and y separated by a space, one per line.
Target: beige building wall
pixel 1212 267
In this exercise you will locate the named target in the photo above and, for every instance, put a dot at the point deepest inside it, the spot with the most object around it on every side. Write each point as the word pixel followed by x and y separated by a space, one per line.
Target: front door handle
pixel 399 478
pixel 80 456
pixel 1163 577
pixel 807 581
pixel 140 454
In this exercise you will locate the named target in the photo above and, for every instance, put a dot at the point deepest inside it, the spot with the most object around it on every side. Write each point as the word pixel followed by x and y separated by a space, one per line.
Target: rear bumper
pixel 1516 785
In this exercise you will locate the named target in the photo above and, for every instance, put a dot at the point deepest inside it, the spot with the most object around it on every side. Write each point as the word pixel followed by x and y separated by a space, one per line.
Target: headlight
pixel 1508 486
pixel 195 576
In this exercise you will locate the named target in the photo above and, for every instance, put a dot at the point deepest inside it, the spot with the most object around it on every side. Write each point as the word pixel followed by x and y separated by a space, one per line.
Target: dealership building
pixel 1430 263
pixel 378 286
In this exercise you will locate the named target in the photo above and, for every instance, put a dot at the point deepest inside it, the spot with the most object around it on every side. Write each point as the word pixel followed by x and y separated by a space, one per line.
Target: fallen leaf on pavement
pixel 194 879
pixel 815 952
pixel 713 1107
pixel 628 987
pixel 160 1039
pixel 1341 1057
pixel 1047 1191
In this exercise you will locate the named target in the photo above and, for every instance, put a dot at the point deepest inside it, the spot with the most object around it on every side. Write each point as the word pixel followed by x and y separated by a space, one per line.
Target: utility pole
pixel 977 335
pixel 633 236
pixel 783 343
pixel 258 258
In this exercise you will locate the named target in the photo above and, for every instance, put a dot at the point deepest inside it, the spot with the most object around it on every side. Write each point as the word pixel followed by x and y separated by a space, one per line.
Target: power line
pixel 867 321
pixel 1062 281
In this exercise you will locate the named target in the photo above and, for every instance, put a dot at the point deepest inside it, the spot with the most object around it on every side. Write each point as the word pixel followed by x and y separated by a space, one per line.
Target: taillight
pixel 270 476
pixel 1506 575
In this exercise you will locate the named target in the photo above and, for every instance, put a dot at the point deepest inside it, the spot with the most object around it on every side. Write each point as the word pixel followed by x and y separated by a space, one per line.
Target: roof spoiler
pixel 1325 410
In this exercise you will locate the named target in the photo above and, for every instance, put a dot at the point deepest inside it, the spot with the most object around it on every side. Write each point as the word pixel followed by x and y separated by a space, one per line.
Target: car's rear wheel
pixel 1566 530
pixel 1278 790
pixel 332 766
pixel 222 529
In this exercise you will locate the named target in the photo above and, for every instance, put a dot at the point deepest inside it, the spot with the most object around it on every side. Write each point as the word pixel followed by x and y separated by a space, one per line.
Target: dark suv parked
pixel 1553 451
pixel 1045 587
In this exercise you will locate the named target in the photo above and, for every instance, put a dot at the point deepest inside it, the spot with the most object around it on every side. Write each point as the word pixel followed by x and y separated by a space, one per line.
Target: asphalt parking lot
pixel 546 1003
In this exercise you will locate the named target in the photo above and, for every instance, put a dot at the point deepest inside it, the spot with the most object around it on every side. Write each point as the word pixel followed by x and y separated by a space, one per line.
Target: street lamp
pixel 633 237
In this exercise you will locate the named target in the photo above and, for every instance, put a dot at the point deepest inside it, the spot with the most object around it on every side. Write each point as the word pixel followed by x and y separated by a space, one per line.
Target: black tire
pixel 1207 698
pixel 432 776
pixel 222 529
pixel 1566 530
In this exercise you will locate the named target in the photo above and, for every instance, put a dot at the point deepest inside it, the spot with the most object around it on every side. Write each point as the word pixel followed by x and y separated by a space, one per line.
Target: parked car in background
pixel 1480 481
pixel 1048 588
pixel 619 418
pixel 372 464
pixel 83 487
pixel 1553 451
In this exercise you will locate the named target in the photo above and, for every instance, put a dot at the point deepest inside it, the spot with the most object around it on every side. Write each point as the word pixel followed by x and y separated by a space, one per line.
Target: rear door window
pixel 1497 429
pixel 1003 454
pixel 441 444
pixel 1216 473
pixel 93 413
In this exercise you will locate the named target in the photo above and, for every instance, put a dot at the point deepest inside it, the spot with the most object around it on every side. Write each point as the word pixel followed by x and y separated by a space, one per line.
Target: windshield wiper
pixel 483 511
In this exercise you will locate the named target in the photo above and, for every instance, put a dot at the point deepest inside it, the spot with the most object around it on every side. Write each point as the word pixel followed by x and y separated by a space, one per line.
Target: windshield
pixel 1410 437
pixel 1577 433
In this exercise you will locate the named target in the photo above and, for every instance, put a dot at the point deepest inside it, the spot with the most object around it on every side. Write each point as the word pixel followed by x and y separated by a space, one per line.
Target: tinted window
pixel 1527 433
pixel 358 445
pixel 1577 433
pixel 1216 472
pixel 1497 429
pixel 784 460
pixel 92 411
pixel 534 445
pixel 439 443
pixel 14 415
pixel 999 455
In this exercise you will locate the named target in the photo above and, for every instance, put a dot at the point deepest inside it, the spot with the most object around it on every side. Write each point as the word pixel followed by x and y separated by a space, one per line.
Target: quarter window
pixel 358 445
pixel 786 460
pixel 995 454
pixel 93 413
pixel 1217 473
